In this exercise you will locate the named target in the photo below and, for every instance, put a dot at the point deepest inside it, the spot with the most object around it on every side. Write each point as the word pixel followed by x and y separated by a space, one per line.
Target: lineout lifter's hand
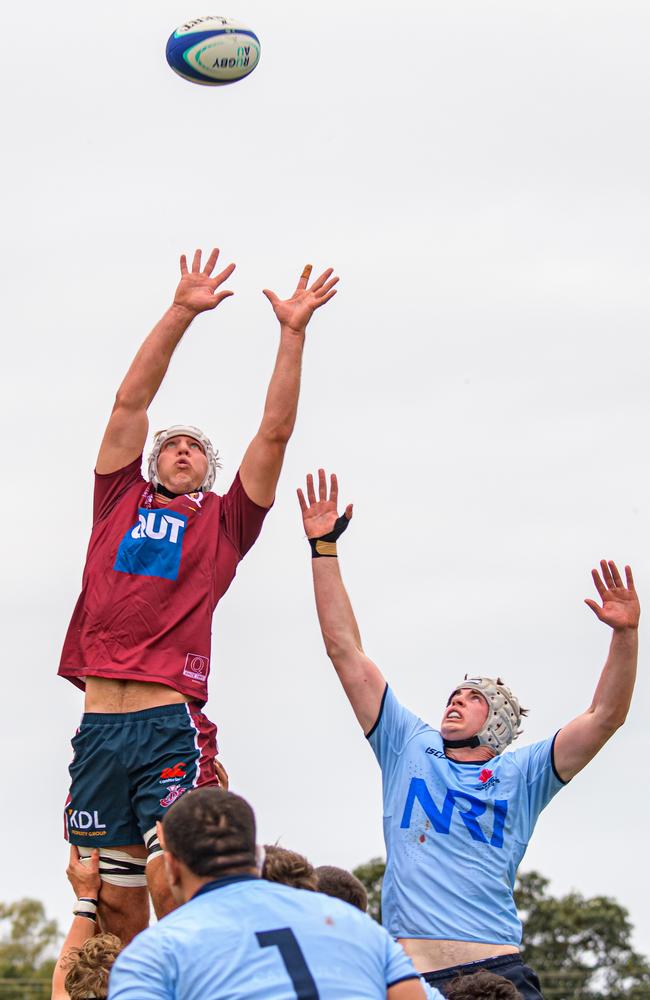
pixel 198 290
pixel 84 875
pixel 320 516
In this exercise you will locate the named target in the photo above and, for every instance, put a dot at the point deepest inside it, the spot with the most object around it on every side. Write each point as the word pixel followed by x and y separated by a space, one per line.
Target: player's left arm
pixel 86 883
pixel 578 742
pixel 260 469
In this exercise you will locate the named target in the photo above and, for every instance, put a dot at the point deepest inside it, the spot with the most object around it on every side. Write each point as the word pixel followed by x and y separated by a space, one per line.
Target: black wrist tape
pixel 326 544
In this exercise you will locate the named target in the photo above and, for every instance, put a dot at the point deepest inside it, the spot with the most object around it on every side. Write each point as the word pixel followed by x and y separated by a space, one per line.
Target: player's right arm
pixel 362 680
pixel 126 432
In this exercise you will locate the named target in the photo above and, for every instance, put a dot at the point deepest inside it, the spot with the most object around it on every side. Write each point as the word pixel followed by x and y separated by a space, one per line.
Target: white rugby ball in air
pixel 213 50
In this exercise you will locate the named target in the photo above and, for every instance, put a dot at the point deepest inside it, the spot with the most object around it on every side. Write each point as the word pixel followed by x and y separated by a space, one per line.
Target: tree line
pixel 580 947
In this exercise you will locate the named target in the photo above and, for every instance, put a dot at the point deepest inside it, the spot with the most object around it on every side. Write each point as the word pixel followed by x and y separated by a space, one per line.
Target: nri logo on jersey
pixel 154 546
pixel 469 809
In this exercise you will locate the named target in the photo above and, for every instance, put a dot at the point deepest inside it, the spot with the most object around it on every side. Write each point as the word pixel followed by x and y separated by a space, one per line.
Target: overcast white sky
pixel 478 175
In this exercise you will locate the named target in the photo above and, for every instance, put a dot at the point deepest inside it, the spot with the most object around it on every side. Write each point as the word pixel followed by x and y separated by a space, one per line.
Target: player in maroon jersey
pixel 162 552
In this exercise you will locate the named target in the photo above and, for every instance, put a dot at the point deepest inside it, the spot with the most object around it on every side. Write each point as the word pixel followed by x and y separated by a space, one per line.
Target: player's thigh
pixel 124 895
pixel 159 887
pixel 98 812
pixel 178 756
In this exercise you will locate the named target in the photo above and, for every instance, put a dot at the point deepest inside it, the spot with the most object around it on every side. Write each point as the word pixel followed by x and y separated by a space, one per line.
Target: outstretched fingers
pixel 304 278
pixel 334 490
pixel 629 579
pixel 222 276
pixel 321 279
pixel 616 576
pixel 607 574
pixel 322 485
pixel 211 262
pixel 311 495
pixel 325 298
pixel 301 500
pixel 327 287
pixel 196 262
pixel 598 583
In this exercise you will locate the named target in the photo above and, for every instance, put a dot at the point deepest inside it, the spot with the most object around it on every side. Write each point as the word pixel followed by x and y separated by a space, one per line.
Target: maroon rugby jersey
pixel 152 579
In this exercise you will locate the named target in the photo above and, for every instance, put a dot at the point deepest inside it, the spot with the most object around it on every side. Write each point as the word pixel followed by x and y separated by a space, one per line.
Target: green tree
pixel 372 876
pixel 580 948
pixel 27 941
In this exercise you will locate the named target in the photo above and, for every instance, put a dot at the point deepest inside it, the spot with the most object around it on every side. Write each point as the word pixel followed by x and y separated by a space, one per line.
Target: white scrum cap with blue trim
pixel 502 725
pixel 185 430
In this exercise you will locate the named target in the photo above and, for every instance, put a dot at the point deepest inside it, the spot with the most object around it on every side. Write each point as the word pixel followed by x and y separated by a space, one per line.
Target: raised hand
pixel 320 516
pixel 296 312
pixel 620 608
pixel 197 290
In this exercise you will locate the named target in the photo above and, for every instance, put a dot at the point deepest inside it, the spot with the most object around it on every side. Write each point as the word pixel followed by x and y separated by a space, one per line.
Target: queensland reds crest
pixel 173 792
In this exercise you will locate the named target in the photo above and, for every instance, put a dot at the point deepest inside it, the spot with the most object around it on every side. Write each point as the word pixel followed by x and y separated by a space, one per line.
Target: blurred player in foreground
pixel 458 811
pixel 236 935
pixel 162 553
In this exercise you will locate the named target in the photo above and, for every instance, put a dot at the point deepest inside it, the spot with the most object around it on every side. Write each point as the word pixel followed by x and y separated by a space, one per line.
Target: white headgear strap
pixel 502 724
pixel 185 430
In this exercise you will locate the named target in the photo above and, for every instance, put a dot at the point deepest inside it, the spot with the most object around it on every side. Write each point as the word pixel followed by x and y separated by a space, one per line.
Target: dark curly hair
pixel 212 831
pixel 482 985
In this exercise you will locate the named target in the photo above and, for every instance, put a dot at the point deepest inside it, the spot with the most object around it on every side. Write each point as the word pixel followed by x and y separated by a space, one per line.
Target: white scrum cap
pixel 185 430
pixel 502 725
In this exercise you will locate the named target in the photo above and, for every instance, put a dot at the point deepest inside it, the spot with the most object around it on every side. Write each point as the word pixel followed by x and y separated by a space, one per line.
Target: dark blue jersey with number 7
pixel 243 937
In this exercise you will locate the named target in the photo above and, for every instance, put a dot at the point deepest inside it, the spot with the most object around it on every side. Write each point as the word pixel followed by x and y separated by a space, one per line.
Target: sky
pixel 477 174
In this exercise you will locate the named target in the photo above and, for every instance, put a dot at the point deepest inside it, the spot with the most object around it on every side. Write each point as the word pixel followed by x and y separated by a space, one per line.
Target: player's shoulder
pixel 394 714
pixel 519 758
pixel 317 905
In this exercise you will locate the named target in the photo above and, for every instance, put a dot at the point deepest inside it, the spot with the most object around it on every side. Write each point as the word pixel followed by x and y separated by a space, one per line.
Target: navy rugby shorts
pixel 509 966
pixel 128 768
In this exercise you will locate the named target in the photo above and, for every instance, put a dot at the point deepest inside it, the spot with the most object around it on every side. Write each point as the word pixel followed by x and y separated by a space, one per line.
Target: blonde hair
pixel 89 967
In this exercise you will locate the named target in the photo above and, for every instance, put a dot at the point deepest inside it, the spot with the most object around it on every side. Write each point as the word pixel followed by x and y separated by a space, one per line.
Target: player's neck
pixel 470 755
pixel 190 883
pixel 165 496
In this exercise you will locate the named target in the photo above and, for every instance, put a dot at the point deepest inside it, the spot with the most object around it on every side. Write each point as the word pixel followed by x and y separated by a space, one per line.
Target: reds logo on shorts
pixel 173 792
pixel 177 771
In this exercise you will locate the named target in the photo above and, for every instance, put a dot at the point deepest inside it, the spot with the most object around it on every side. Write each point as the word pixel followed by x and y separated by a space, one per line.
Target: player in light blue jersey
pixel 237 936
pixel 458 811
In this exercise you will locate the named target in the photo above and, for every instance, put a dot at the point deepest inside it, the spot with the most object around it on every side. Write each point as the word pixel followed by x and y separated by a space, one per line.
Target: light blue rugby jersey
pixel 245 937
pixel 455 833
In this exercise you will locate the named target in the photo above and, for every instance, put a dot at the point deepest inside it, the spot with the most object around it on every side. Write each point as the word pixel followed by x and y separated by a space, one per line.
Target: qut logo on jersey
pixel 469 809
pixel 153 547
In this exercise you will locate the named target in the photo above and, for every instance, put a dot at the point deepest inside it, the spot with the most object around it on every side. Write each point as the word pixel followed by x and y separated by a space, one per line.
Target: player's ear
pixel 172 869
pixel 160 834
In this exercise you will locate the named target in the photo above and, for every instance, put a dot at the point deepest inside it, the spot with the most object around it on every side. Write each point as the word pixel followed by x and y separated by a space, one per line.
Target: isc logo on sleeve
pixel 153 547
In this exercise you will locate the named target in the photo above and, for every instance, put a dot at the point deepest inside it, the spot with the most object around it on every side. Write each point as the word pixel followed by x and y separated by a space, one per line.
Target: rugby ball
pixel 213 51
